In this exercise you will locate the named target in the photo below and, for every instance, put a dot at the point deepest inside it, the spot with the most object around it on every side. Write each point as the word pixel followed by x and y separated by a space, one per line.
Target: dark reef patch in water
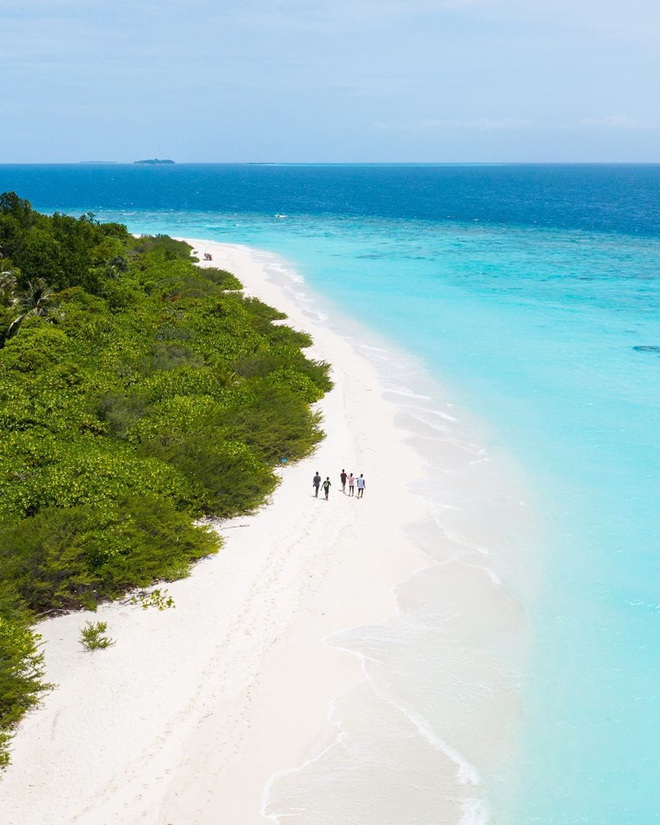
pixel 654 349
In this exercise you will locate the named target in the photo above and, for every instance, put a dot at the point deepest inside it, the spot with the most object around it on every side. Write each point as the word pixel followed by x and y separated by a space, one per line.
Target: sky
pixel 330 80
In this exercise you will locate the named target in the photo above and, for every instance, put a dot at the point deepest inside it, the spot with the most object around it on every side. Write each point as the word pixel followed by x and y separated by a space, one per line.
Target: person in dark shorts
pixel 343 478
pixel 326 487
pixel 316 483
pixel 361 484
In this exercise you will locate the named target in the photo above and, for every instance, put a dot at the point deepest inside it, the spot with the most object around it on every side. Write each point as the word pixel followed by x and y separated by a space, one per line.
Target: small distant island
pixel 153 161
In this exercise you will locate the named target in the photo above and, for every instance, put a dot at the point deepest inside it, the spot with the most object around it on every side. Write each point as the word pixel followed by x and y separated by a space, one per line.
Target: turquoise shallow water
pixel 533 325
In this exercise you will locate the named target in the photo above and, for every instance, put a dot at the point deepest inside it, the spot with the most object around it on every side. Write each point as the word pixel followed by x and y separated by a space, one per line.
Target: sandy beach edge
pixel 188 716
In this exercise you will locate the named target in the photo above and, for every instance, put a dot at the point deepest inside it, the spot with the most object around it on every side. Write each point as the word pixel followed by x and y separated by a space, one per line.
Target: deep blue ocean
pixel 532 293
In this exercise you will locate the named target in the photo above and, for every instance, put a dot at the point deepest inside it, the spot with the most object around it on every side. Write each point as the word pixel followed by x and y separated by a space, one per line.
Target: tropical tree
pixel 35 299
pixel 7 286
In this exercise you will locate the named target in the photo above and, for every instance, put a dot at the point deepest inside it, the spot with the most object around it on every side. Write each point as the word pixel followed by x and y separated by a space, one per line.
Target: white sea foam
pixel 407 393
pixel 474 813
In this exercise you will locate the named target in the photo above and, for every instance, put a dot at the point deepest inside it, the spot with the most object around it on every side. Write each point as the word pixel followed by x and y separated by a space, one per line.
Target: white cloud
pixel 515 124
pixel 619 122
pixel 340 15
pixel 482 124
pixel 488 124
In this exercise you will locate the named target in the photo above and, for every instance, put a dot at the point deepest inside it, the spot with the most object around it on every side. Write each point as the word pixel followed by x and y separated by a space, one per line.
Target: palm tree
pixel 7 286
pixel 35 299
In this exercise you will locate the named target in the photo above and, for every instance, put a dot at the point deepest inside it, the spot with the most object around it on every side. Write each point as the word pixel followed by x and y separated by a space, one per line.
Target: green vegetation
pixel 92 636
pixel 138 393
pixel 158 598
pixel 21 668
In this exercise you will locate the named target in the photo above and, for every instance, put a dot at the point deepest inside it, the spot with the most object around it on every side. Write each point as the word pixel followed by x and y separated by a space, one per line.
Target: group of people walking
pixel 345 478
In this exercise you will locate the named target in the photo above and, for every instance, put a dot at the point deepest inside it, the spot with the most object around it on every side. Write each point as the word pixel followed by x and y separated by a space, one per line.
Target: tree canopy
pixel 138 393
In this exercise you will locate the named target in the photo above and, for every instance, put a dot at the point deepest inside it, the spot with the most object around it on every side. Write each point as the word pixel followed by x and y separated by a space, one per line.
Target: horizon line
pixel 335 163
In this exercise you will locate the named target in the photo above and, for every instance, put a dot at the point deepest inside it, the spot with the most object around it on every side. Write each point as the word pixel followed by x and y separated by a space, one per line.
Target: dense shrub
pixel 21 667
pixel 63 558
pixel 137 393
pixel 221 277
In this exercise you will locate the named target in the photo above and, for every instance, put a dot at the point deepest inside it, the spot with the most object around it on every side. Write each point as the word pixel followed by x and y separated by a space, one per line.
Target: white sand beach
pixel 191 712
pixel 269 677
